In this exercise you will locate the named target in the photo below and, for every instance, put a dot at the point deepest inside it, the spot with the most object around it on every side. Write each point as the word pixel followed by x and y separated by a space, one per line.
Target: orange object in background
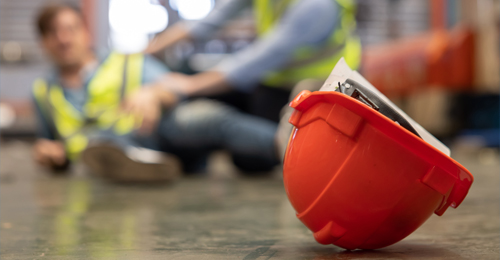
pixel 359 180
pixel 437 58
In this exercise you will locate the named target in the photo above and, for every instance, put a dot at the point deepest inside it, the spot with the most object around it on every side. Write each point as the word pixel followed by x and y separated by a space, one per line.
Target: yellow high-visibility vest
pixel 311 62
pixel 117 76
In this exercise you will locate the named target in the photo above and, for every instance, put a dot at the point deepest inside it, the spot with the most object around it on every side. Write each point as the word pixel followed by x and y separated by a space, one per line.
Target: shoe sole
pixel 113 164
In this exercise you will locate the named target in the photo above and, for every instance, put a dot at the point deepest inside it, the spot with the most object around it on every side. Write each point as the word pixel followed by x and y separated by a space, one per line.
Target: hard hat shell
pixel 358 179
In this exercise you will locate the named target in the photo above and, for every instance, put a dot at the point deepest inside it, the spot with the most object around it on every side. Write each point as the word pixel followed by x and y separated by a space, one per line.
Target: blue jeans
pixel 193 129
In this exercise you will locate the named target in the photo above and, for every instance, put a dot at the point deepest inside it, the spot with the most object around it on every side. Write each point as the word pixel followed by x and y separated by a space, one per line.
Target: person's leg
pixel 205 124
pixel 266 102
pixel 254 165
pixel 237 99
pixel 193 160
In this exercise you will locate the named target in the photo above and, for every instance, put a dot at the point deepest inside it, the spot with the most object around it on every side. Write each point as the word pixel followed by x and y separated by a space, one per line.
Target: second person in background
pixel 296 40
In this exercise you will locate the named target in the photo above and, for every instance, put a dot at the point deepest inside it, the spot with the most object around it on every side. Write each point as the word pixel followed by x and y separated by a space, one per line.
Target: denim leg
pixel 206 124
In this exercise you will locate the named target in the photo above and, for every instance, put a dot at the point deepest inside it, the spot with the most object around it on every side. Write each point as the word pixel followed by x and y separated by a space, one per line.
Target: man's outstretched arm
pixel 298 28
pixel 198 29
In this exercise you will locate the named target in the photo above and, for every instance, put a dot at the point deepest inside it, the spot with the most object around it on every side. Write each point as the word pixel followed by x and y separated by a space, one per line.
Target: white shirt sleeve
pixel 306 23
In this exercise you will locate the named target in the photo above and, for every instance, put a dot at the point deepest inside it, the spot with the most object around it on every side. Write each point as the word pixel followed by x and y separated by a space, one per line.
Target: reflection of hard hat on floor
pixel 359 175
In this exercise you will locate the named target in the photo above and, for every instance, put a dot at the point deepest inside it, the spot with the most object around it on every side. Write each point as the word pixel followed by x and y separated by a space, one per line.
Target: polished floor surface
pixel 220 216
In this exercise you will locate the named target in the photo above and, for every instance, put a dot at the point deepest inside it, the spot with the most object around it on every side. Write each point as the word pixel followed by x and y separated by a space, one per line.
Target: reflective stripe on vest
pixel 311 62
pixel 118 75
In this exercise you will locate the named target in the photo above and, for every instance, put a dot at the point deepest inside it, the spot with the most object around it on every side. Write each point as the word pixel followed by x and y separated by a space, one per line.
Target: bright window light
pixel 192 9
pixel 131 22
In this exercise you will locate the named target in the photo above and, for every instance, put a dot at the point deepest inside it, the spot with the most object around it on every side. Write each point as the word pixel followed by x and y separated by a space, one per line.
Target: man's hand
pixel 147 103
pixel 48 153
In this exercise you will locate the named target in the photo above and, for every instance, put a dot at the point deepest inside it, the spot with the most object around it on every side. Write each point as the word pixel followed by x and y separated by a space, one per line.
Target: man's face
pixel 67 41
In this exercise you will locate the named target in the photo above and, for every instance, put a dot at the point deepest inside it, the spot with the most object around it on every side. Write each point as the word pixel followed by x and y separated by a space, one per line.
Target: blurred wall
pixel 384 20
pixel 21 59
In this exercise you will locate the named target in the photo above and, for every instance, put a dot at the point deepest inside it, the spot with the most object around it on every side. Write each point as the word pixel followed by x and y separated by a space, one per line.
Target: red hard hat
pixel 358 179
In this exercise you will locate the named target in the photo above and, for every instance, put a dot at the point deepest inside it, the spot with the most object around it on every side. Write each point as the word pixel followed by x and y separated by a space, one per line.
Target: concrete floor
pixel 221 216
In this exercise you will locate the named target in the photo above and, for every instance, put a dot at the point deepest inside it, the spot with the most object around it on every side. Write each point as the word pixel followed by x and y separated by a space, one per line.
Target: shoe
pixel 133 164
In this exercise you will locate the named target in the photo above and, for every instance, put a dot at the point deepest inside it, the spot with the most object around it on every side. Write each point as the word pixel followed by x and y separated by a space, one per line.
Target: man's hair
pixel 47 13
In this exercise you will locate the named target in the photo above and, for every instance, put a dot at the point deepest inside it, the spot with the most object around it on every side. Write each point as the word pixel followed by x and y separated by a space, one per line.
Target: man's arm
pixel 217 18
pixel 149 101
pixel 199 29
pixel 47 151
pixel 306 23
pixel 43 127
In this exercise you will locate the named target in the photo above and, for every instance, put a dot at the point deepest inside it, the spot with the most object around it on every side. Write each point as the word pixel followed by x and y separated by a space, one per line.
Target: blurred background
pixel 437 59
